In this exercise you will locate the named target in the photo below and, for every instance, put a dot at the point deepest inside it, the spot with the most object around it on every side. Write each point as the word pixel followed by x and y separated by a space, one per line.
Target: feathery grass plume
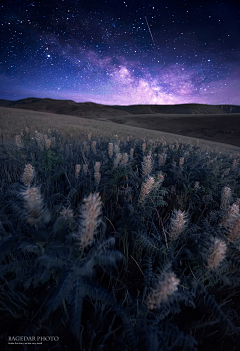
pixel 117 160
pixel 90 211
pixel 233 227
pixel 94 147
pixel 45 138
pixel 131 153
pixel 166 286
pixel 28 174
pixel 77 170
pixel 160 176
pixel 162 159
pixel 66 213
pixel 196 185
pixel 124 158
pixel 97 175
pixel 181 161
pixel 178 223
pixel 85 168
pixel 234 164
pixel 158 183
pixel 110 150
pixel 146 187
pixel 116 149
pixel 89 136
pixel 26 129
pixel 39 138
pixel 18 141
pixel 225 198
pixel 48 144
pixel 217 253
pixel 144 147
pixel 33 203
pixel 235 207
pixel 146 165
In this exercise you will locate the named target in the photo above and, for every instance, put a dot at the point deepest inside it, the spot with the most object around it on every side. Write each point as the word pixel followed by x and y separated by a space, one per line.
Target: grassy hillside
pixel 223 131
pixel 117 243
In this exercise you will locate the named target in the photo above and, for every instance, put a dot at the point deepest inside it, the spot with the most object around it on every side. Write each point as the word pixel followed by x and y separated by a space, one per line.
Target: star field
pixel 121 52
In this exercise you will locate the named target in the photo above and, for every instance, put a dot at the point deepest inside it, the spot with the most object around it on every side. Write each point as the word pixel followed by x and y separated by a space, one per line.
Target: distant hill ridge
pixel 91 109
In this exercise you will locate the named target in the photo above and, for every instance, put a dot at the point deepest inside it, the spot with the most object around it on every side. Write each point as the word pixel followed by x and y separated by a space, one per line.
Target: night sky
pixel 121 52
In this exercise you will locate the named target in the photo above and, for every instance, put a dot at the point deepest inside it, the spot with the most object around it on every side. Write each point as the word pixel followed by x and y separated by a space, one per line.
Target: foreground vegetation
pixel 118 244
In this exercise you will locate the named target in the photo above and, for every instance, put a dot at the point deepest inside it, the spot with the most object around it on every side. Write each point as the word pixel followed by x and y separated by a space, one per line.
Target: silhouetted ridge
pixel 91 109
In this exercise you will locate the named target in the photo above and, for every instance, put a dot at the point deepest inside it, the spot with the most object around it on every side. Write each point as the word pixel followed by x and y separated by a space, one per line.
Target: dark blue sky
pixel 121 52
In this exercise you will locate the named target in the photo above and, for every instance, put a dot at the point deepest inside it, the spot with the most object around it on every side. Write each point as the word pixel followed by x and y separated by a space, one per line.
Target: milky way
pixel 121 52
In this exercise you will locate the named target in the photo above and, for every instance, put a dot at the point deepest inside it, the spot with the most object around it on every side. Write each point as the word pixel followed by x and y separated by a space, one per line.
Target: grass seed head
pixel 162 159
pixel 233 226
pixel 85 168
pixel 124 158
pixel 181 161
pixel 196 185
pixel 48 144
pixel 28 175
pixel 225 197
pixel 131 152
pixel 146 187
pixel 110 150
pixel 90 211
pixel 77 170
pixel 178 223
pixel 18 141
pixel 116 149
pixel 33 204
pixel 165 288
pixel 144 147
pixel 67 213
pixel 146 165
pixel 117 159
pixel 218 253
pixel 94 147
pixel 97 174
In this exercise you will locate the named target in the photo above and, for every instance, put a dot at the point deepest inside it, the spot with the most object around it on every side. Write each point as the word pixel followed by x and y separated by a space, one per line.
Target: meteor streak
pixel 149 30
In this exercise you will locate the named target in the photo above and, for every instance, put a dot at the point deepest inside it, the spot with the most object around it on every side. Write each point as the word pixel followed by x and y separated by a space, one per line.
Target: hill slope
pixel 90 109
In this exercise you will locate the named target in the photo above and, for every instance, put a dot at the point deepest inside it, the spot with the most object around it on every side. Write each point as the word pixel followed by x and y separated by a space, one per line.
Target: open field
pixel 208 131
pixel 129 239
